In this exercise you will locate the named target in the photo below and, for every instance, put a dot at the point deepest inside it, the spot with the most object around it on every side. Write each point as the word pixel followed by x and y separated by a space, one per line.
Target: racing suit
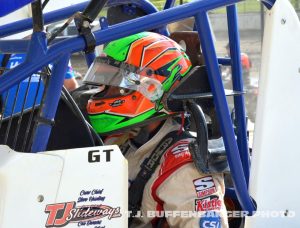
pixel 176 189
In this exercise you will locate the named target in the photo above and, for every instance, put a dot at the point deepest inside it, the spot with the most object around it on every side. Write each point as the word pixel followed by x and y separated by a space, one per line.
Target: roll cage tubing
pixel 40 55
pixel 60 14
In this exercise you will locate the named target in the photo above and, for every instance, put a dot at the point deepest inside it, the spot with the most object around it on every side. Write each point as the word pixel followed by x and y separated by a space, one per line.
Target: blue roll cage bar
pixel 39 55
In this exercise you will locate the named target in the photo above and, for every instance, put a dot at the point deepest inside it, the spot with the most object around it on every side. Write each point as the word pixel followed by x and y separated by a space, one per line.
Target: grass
pixel 249 6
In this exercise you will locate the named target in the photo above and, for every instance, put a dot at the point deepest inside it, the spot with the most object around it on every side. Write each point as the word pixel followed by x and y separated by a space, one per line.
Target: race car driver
pixel 134 73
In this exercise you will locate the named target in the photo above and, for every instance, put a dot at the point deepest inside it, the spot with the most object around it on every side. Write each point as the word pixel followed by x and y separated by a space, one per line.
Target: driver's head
pixel 136 71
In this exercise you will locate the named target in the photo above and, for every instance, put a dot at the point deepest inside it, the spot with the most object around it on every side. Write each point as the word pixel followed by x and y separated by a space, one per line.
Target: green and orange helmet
pixel 136 70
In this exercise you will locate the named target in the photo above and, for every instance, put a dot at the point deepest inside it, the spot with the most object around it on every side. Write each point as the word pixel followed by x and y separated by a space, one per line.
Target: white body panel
pixel 20 14
pixel 59 4
pixel 274 181
pixel 25 12
pixel 30 182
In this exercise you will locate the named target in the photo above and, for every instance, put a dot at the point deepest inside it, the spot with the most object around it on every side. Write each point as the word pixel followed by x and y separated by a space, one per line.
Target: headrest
pixel 194 85
pixel 190 40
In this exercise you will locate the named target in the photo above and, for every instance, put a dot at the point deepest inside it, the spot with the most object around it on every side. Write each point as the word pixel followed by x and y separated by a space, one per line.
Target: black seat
pixel 68 131
pixel 193 94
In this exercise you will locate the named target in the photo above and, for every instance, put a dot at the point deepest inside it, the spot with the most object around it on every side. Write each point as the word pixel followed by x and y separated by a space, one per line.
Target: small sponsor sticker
pixel 117 103
pixel 181 148
pixel 210 219
pixel 208 204
pixel 204 186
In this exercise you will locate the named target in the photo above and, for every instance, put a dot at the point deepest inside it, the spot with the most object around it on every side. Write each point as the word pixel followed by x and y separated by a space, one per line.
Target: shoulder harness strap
pixel 147 169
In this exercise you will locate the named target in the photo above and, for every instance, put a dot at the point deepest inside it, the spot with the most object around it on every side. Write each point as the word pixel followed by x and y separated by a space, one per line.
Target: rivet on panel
pixel 40 198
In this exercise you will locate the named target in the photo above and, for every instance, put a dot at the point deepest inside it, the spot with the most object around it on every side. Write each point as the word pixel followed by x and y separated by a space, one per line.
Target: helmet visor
pixel 109 72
